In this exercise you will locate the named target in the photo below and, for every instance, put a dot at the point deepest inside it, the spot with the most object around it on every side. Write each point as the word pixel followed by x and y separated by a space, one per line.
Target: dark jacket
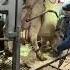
pixel 66 7
pixel 64 26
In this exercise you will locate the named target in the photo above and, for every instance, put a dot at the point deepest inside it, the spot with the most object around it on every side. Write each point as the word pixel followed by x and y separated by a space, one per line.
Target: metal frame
pixel 14 9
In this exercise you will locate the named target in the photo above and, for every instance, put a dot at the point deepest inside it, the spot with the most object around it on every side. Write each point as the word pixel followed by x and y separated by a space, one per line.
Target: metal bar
pixel 16 53
pixel 54 67
pixel 61 61
pixel 53 61
pixel 16 47
pixel 4 12
pixel 5 39
pixel 4 7
pixel 11 16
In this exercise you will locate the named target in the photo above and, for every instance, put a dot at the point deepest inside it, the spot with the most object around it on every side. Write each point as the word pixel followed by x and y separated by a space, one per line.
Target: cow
pixel 42 27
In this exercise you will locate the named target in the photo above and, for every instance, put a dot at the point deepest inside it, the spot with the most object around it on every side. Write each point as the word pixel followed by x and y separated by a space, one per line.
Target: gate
pixel 13 9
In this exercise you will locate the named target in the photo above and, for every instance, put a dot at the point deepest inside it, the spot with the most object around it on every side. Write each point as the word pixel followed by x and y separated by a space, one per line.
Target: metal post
pixel 16 53
pixel 16 48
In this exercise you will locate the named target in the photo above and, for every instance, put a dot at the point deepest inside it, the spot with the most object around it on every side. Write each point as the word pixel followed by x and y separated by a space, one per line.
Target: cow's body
pixel 39 29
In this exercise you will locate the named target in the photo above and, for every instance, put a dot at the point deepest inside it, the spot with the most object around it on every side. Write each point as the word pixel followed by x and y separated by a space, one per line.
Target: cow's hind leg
pixel 33 32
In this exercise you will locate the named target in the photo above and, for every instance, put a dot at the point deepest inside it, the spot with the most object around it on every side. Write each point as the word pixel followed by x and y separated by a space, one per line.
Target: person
pixel 66 31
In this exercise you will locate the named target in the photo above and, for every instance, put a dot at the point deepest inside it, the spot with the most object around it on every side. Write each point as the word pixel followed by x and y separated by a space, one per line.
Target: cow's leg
pixel 33 32
pixel 36 23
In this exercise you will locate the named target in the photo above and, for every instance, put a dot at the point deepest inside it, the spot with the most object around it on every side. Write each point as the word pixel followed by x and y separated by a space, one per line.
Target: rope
pixel 43 14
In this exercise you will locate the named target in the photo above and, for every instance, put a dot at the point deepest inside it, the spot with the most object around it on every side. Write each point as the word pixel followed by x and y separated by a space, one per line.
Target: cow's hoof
pixel 40 56
pixel 35 48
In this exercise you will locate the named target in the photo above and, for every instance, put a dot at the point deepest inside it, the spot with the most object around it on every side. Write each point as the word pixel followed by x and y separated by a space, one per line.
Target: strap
pixel 53 12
